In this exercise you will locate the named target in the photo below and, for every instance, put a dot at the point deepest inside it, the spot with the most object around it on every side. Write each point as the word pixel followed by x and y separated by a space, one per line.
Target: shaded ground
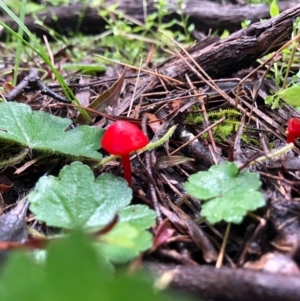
pixel 211 81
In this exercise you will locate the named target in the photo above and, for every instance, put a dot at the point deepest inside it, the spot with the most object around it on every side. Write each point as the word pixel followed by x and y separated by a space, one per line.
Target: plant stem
pixel 273 154
pixel 127 168
pixel 223 247
pixel 150 146
pixel 160 141
pixel 15 159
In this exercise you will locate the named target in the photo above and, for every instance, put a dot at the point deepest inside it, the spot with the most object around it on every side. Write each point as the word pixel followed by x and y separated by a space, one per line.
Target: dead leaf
pixel 108 98
pixel 84 94
pixel 154 123
pixel 168 161
pixel 185 224
pixel 13 227
pixel 163 232
pixel 5 184
pixel 274 263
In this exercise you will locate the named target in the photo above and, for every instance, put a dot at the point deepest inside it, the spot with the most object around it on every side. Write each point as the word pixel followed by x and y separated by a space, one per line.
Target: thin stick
pixel 144 70
pixel 133 95
pixel 197 136
pixel 223 247
pixel 205 116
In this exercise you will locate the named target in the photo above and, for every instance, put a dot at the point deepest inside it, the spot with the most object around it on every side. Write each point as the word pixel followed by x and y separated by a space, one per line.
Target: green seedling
pixel 93 206
pixel 227 193
pixel 274 9
pixel 289 95
pixel 289 91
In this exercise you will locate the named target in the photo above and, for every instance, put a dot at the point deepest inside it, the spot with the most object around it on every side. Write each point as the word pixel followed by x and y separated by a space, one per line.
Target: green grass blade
pixel 40 51
pixel 19 43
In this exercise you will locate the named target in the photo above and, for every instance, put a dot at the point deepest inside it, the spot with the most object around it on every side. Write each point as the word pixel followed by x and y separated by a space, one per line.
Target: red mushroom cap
pixel 293 130
pixel 123 137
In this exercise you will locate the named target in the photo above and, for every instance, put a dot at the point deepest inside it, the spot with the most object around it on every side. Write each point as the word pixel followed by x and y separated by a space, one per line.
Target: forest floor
pixel 227 99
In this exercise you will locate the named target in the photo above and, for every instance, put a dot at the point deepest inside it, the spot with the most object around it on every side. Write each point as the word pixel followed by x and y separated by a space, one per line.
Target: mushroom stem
pixel 127 168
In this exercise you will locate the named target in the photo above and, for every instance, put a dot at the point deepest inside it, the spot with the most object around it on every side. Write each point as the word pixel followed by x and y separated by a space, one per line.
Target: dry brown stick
pixel 228 284
pixel 185 224
pixel 19 89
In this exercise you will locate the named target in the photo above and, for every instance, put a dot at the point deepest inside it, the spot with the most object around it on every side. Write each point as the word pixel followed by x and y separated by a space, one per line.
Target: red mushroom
pixel 293 130
pixel 122 138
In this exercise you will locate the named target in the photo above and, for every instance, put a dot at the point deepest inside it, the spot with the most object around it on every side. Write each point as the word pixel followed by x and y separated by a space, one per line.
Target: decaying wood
pixel 204 14
pixel 228 284
pixel 241 49
pixel 207 14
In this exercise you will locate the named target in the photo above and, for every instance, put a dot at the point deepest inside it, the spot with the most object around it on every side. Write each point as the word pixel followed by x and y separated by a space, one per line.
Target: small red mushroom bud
pixel 293 130
pixel 121 138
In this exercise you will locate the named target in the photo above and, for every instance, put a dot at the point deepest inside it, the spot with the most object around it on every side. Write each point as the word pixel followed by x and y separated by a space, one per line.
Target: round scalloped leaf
pixel 228 194
pixel 47 133
pixel 76 199
pixel 129 237
pixel 139 216
pixel 124 242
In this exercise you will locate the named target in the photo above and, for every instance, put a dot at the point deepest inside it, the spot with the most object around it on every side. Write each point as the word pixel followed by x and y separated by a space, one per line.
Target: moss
pixel 223 131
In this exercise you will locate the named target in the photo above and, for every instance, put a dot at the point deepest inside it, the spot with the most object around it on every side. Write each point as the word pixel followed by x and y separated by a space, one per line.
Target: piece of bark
pixel 239 50
pixel 19 89
pixel 225 57
pixel 205 15
pixel 228 284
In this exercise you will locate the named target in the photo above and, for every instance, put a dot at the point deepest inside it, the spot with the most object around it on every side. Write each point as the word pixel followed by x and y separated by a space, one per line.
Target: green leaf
pixel 229 194
pixel 127 239
pixel 21 267
pixel 69 261
pixel 274 9
pixel 139 216
pixel 47 133
pixel 73 272
pixel 269 99
pixel 84 68
pixel 76 199
pixel 291 95
pixel 63 257
pixel 124 243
